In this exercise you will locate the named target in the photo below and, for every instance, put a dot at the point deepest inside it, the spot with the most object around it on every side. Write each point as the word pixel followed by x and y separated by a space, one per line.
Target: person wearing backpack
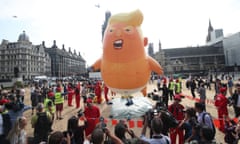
pixel 207 135
pixel 204 118
pixel 50 107
pixel 41 122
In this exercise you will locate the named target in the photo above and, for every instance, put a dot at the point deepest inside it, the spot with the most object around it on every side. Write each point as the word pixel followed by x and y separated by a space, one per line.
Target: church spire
pixel 159 46
pixel 210 28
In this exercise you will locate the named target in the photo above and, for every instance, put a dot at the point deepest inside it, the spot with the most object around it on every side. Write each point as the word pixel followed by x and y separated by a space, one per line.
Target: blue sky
pixel 77 23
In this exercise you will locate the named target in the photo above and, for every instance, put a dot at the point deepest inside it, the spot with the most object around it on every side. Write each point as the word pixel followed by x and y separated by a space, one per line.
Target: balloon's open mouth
pixel 118 44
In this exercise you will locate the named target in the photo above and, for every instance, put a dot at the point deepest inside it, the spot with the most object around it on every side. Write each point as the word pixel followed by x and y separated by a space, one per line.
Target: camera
pixel 160 105
pixel 80 113
pixel 151 113
pixel 167 118
pixel 67 132
pixel 103 125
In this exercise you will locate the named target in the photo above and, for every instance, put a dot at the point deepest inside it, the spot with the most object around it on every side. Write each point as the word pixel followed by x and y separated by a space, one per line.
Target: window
pixel 23 69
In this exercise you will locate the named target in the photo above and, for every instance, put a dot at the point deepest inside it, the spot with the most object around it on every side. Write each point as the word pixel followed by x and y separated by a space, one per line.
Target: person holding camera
pixel 177 111
pixel 98 134
pixel 156 127
pixel 190 126
pixel 120 131
pixel 76 126
pixel 91 113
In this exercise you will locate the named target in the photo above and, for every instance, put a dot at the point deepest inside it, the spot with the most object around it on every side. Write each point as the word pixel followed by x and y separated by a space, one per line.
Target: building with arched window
pixel 199 59
pixel 23 59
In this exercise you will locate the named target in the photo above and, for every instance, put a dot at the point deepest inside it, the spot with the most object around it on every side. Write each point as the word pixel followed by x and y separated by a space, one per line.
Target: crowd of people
pixel 193 124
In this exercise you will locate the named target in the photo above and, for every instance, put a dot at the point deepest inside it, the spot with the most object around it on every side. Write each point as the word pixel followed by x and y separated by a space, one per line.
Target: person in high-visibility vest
pixel 171 86
pixel 59 100
pixel 177 87
pixel 180 81
pixel 49 107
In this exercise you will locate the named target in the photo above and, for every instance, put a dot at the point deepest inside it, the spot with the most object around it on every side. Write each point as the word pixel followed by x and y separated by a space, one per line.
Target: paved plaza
pixel 134 124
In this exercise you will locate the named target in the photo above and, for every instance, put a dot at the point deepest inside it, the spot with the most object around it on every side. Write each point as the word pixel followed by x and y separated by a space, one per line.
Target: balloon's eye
pixel 128 29
pixel 111 30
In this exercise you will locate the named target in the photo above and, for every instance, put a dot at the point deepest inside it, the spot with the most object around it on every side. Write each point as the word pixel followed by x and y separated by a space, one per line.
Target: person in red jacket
pixel 51 94
pixel 92 114
pixel 106 90
pixel 77 94
pixel 177 111
pixel 221 103
pixel 164 80
pixel 98 92
pixel 70 91
pixel 3 98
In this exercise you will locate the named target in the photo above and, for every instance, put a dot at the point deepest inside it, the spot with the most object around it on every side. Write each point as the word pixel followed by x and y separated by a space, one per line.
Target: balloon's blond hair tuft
pixel 134 18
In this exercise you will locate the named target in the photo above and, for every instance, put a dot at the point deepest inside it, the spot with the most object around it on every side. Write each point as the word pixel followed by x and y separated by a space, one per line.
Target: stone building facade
pixel 65 62
pixel 23 58
pixel 194 60
pixel 33 60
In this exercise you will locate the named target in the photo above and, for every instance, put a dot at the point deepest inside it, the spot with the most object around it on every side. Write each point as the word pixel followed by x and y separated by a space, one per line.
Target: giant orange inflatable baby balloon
pixel 124 65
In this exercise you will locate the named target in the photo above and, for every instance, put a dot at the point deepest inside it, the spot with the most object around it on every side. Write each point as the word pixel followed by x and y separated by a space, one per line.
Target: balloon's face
pixel 124 41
